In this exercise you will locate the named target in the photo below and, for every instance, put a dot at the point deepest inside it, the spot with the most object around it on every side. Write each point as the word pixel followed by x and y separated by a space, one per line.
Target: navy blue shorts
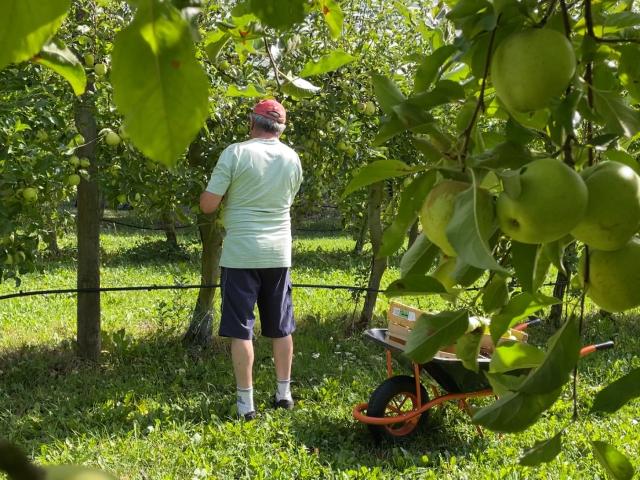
pixel 242 288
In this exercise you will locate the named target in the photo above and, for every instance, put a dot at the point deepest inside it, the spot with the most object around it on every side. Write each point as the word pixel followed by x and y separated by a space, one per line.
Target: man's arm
pixel 209 202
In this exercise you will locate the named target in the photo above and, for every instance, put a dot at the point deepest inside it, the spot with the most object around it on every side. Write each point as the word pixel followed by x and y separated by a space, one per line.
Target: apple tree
pixel 528 124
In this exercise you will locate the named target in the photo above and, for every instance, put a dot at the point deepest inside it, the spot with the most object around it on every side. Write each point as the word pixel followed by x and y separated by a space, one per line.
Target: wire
pixel 33 293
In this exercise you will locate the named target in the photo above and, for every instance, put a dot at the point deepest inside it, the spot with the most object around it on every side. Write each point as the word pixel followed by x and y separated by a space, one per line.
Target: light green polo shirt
pixel 259 179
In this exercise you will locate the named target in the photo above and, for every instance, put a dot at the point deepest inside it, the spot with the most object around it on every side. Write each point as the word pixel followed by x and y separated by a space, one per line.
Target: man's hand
pixel 209 202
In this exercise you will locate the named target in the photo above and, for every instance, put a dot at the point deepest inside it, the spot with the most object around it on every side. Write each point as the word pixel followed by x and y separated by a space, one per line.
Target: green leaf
pixel 389 128
pixel 61 60
pixel 629 69
pixel 299 88
pixel 614 463
pixel 519 307
pixel 504 155
pixel 531 265
pixel 515 411
pixel 411 201
pixel 158 84
pixel 379 170
pixel 432 332
pixel 279 14
pixel 387 93
pixel 510 356
pixel 618 116
pixel 543 452
pixel 560 359
pixel 554 251
pixel 495 294
pixel 414 284
pixel 472 224
pixel 327 63
pixel 468 350
pixel 26 25
pixel 523 259
pixel 428 69
pixel 466 8
pixel 333 16
pixel 615 395
pixel 248 91
pixel 419 257
pixel 215 42
pixel 444 92
pixel 502 383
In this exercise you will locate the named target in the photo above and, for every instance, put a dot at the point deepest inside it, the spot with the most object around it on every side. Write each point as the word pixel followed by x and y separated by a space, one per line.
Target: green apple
pixel 112 138
pixel 531 67
pixel 85 162
pixel 552 200
pixel 9 259
pixel 342 146
pixel 437 210
pixel 122 198
pixel 369 108
pixel 614 277
pixel 89 60
pixel 122 131
pixel 74 472
pixel 613 209
pixel 100 69
pixel 30 194
pixel 361 107
pixel 73 179
pixel 444 273
pixel 74 160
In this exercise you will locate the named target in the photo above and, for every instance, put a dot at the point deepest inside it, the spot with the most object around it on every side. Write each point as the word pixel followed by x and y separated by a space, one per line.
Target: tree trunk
pixel 413 233
pixel 88 226
pixel 378 265
pixel 362 236
pixel 169 226
pixel 52 243
pixel 559 290
pixel 200 331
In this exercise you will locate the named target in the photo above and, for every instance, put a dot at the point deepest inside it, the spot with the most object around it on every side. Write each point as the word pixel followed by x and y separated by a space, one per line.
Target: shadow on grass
pixel 50 394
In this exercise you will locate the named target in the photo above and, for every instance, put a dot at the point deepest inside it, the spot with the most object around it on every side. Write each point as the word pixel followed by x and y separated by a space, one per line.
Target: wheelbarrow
pixel 401 404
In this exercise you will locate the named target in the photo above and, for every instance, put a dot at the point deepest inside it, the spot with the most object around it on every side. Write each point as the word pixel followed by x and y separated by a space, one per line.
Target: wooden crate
pixel 402 318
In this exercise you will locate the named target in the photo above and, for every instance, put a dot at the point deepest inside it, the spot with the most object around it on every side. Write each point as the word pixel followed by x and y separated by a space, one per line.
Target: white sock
pixel 244 400
pixel 283 391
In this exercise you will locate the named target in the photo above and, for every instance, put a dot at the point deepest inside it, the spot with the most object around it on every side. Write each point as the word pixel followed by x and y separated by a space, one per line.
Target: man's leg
pixel 242 359
pixel 276 318
pixel 283 356
pixel 239 291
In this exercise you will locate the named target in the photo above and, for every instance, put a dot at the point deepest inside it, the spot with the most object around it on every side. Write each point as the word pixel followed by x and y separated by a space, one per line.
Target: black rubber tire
pixel 399 388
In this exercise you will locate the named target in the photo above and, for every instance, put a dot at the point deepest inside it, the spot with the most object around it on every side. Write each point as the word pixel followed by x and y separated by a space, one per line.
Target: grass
pixel 152 410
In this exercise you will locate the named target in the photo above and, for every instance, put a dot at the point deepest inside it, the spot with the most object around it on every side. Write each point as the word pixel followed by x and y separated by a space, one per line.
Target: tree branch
pixel 480 104
pixel 273 63
pixel 547 14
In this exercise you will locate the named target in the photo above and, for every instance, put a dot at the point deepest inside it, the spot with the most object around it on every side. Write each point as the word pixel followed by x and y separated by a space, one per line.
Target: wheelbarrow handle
pixel 589 349
pixel 529 323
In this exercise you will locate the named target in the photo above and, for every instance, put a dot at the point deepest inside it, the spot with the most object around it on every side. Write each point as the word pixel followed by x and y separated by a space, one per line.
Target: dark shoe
pixel 249 416
pixel 284 403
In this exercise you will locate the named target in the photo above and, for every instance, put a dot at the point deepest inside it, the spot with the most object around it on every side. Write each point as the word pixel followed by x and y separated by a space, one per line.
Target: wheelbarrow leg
pixel 464 406
pixel 416 375
pixel 389 365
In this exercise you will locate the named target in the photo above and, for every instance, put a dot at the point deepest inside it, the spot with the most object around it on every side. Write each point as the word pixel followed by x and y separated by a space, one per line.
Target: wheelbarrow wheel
pixel 396 396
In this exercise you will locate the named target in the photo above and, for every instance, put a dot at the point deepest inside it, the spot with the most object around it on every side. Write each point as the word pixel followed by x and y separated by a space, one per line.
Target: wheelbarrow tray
pixel 446 369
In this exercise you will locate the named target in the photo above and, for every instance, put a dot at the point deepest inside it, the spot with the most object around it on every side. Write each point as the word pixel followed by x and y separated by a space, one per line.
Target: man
pixel 259 179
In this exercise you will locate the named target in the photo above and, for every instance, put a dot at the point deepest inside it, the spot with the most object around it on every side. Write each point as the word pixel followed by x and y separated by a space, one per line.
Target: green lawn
pixel 152 410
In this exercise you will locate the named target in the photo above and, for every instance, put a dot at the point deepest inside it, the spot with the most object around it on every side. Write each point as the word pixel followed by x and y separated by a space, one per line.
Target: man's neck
pixel 264 136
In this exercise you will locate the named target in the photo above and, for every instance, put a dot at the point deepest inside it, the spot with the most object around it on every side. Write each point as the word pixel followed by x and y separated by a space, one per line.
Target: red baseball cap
pixel 271 109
